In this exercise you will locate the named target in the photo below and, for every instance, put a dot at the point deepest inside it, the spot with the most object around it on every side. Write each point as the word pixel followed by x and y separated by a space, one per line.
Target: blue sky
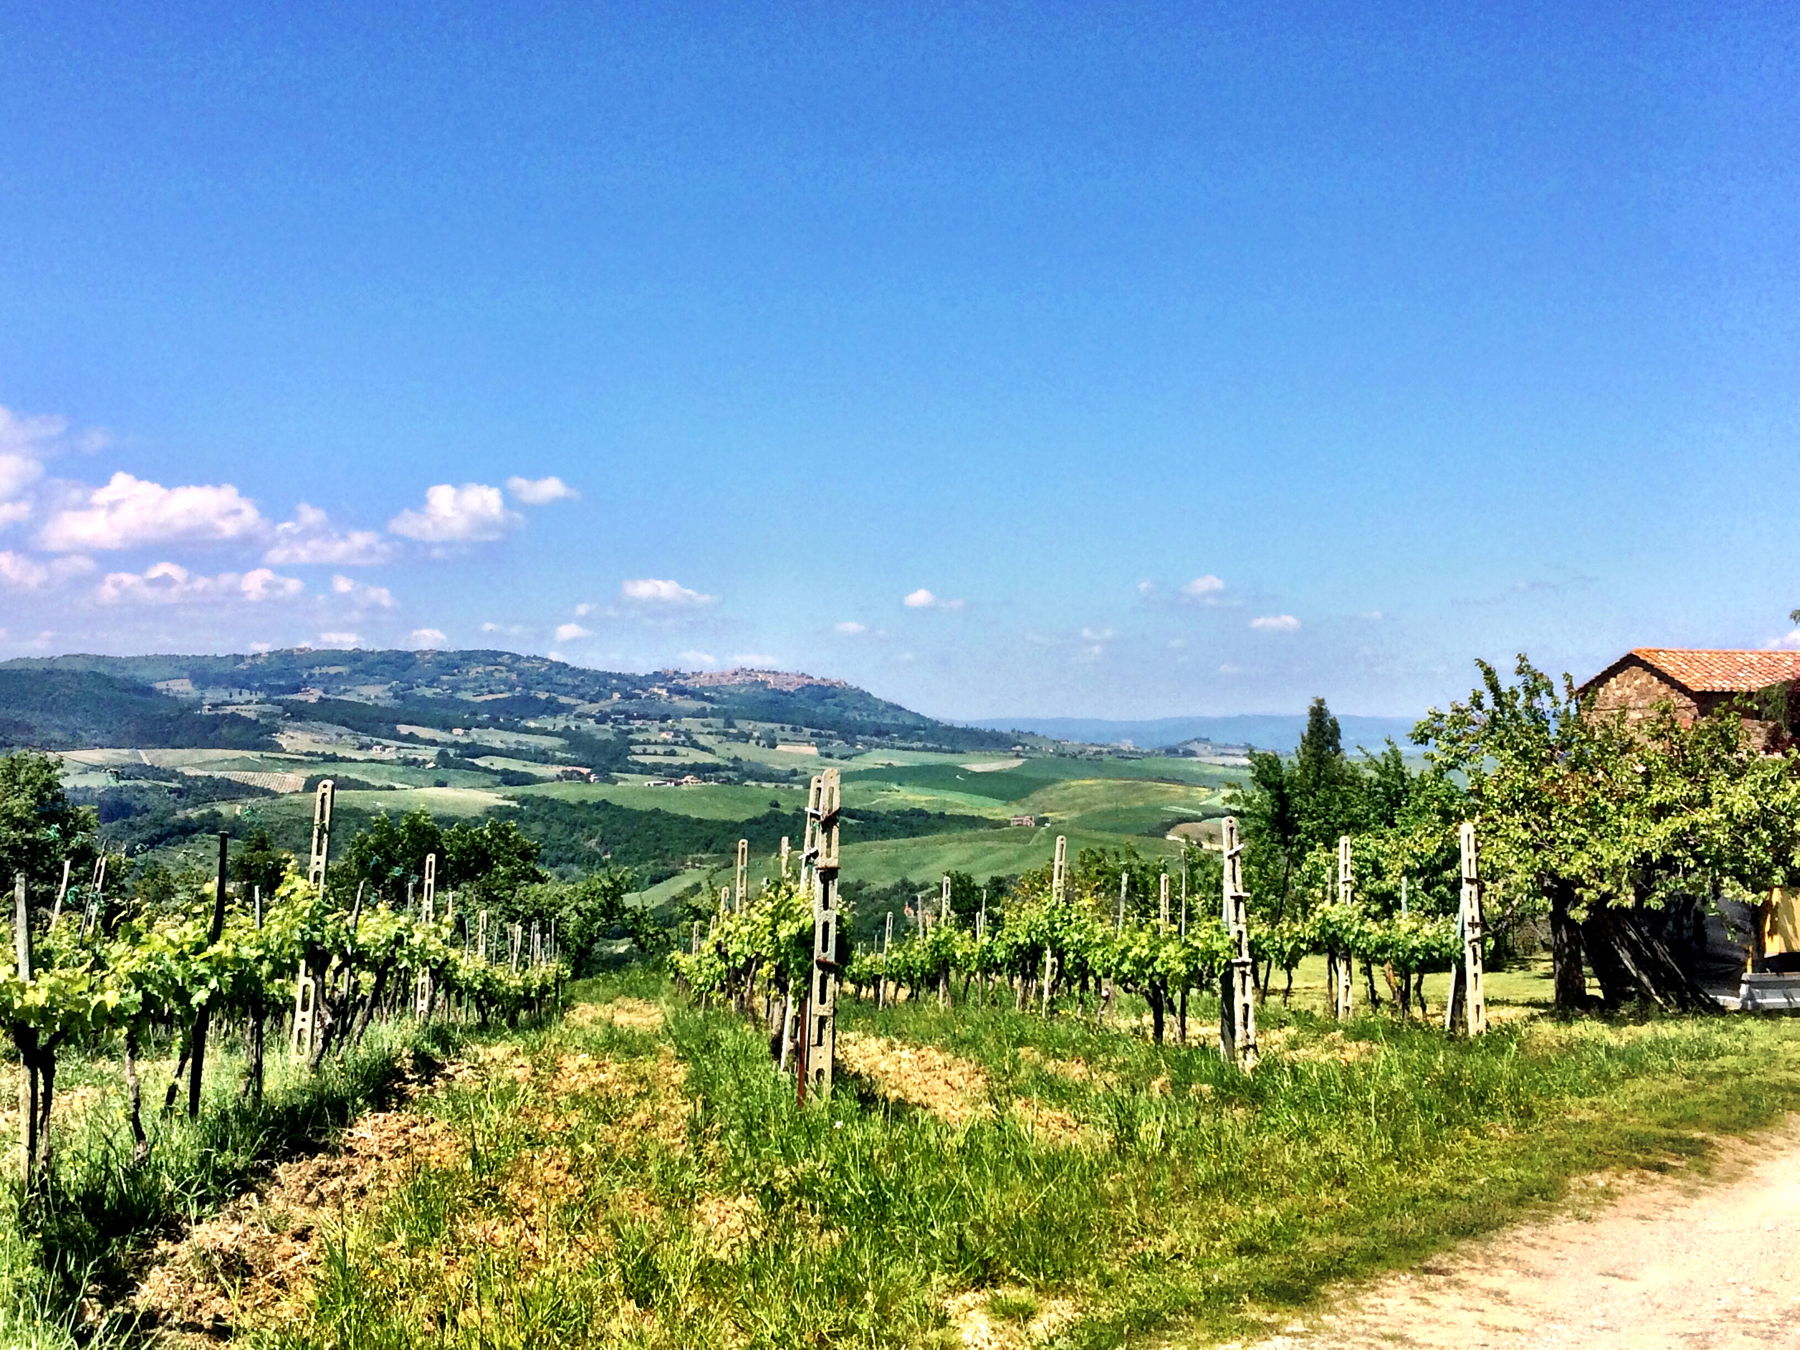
pixel 1170 359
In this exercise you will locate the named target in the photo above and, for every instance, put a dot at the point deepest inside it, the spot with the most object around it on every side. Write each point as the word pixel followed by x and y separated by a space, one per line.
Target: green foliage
pixel 39 825
pixel 71 709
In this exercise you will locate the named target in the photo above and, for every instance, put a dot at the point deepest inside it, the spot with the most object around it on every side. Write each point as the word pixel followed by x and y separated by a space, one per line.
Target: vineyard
pixel 1121 1097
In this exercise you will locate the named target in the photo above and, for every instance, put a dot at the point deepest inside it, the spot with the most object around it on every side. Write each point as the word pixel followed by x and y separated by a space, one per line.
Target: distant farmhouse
pixel 1697 682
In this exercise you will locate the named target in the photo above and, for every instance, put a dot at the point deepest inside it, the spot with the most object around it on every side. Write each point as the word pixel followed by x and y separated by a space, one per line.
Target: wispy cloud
pixel 18 572
pixel 654 591
pixel 1276 623
pixel 430 638
pixel 568 632
pixel 310 538
pixel 924 599
pixel 168 583
pixel 361 595
pixel 541 491
pixel 851 628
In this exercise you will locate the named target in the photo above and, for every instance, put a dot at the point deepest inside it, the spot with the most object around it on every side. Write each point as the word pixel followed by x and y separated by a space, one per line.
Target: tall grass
pixel 72 1251
pixel 703 1206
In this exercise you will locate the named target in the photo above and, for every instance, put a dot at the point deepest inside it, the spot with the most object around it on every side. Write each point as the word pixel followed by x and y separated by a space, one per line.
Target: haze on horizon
pixel 1006 362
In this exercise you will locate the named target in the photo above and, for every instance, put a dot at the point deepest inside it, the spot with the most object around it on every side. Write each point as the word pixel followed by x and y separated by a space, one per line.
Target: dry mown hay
pixel 256 1255
pixel 952 1089
pixel 979 1328
pixel 634 1014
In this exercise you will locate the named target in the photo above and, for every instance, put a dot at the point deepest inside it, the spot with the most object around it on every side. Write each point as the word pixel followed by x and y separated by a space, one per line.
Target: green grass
pixel 444 801
pixel 659 1187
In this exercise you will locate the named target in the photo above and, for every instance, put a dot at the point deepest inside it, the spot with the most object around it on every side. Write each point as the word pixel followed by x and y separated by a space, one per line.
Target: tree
pixel 489 860
pixel 39 826
pixel 1609 828
pixel 389 854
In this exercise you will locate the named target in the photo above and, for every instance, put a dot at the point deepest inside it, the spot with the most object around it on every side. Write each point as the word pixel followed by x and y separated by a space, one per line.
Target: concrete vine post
pixel 822 814
pixel 1468 993
pixel 1237 1005
pixel 740 890
pixel 61 891
pixel 422 991
pixel 306 984
pixel 887 945
pixel 1342 970
pixel 90 918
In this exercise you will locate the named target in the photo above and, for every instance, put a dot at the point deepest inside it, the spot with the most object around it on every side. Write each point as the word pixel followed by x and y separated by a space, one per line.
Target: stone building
pixel 1696 682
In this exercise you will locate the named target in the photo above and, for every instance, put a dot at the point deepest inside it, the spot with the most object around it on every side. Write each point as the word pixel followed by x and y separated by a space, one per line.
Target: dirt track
pixel 1697 1262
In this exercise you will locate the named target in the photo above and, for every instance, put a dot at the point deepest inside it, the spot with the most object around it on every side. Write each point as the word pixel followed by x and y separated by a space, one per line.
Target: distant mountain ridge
pixel 1262 731
pixel 82 701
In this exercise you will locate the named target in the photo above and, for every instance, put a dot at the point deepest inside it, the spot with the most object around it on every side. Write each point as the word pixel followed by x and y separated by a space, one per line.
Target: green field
pixel 708 801
pixel 981 853
pixel 444 801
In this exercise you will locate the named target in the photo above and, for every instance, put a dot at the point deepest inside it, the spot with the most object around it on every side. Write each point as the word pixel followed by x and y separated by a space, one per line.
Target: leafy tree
pixel 488 860
pixel 257 864
pixel 39 826
pixel 389 854
pixel 1608 828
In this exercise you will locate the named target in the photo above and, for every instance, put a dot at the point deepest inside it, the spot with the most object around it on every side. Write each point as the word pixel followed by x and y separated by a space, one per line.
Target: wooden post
pixel 481 937
pixel 90 919
pixel 742 888
pixel 1162 904
pixel 203 1014
pixel 423 993
pixel 822 813
pixel 786 847
pixel 1059 871
pixel 1343 973
pixel 1237 1010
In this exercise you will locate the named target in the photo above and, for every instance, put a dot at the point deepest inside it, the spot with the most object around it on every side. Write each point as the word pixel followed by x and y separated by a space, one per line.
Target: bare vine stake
pixel 1059 871
pixel 28 1080
pixel 785 847
pixel 90 919
pixel 822 813
pixel 1343 973
pixel 1181 1009
pixel 61 891
pixel 694 943
pixel 481 937
pixel 742 889
pixel 887 945
pixel 1467 984
pixel 1162 904
pixel 518 939
pixel 944 916
pixel 1237 1012
pixel 306 985
pixel 203 1014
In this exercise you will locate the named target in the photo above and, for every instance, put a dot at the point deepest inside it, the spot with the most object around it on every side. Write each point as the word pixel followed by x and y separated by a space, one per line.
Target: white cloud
pixel 650 591
pixel 168 583
pixel 541 491
pixel 924 599
pixel 1791 640
pixel 1372 615
pixel 17 472
pixel 309 538
pixel 261 647
pixel 427 637
pixel 1229 669
pixel 361 595
pixel 703 659
pixel 1276 623
pixel 339 639
pixel 1146 587
pixel 568 632
pixel 851 628
pixel 21 573
pixel 472 513
pixel 1097 635
pixel 1206 589
pixel 131 512
pixel 585 608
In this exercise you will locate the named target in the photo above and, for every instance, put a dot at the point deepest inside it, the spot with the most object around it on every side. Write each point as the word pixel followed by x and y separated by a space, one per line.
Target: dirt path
pixel 1701 1262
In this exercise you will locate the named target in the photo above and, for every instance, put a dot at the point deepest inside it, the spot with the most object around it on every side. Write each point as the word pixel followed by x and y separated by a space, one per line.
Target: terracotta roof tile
pixel 1722 671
